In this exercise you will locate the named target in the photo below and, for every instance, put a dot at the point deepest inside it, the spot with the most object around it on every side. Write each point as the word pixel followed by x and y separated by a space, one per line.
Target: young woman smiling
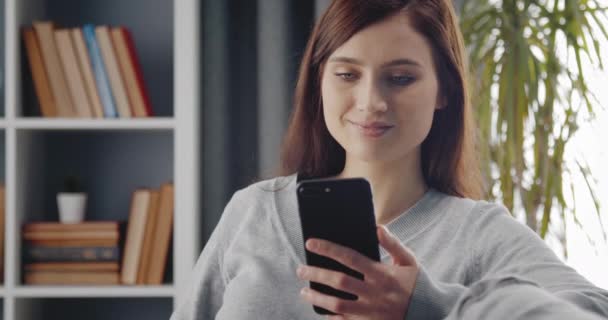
pixel 382 94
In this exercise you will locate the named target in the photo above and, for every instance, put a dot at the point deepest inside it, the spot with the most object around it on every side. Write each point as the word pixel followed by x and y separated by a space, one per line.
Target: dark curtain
pixel 250 54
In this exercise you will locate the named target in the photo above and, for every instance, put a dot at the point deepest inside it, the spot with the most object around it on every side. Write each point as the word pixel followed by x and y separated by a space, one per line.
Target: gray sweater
pixel 476 262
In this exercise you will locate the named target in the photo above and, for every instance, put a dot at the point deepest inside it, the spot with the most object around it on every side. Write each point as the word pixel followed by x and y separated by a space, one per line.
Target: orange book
pixel 41 81
pixel 77 235
pixel 146 251
pixel 116 82
pixel 87 72
pixel 74 78
pixel 52 64
pixel 127 68
pixel 138 216
pixel 71 227
pixel 162 235
pixel 72 266
pixel 71 278
pixel 75 243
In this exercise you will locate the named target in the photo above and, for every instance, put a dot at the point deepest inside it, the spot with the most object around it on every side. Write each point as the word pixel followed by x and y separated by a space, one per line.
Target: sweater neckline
pixel 417 218
pixel 409 223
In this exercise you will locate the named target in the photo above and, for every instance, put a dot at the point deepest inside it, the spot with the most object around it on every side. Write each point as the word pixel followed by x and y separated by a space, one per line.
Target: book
pixel 71 278
pixel 69 227
pixel 131 71
pixel 72 266
pixel 35 253
pixel 50 56
pixel 87 72
pixel 162 235
pixel 99 70
pixel 138 216
pixel 74 78
pixel 113 71
pixel 146 250
pixel 75 235
pixel 75 242
pixel 42 85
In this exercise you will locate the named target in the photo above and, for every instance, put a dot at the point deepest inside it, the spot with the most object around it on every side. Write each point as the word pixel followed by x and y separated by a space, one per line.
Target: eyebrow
pixel 395 62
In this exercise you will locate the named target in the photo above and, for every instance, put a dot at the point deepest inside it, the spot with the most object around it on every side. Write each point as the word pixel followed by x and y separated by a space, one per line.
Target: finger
pixel 342 254
pixel 331 303
pixel 401 254
pixel 334 279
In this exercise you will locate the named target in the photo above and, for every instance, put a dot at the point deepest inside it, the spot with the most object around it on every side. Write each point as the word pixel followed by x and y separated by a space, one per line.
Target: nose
pixel 371 98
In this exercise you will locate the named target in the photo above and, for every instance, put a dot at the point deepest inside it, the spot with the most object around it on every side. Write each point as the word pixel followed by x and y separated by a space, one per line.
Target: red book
pixel 126 34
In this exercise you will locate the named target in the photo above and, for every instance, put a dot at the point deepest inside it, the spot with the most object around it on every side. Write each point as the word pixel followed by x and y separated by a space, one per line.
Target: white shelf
pixel 93 124
pixel 94 291
pixel 114 153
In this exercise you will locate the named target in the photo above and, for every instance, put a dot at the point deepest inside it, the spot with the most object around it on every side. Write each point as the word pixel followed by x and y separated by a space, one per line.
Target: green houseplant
pixel 530 93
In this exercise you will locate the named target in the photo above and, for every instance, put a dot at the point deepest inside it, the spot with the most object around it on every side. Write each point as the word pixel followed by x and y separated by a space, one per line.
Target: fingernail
pixel 311 244
pixel 304 291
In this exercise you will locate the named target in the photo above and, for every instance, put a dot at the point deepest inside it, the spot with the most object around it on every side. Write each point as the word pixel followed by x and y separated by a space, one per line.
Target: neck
pixel 396 186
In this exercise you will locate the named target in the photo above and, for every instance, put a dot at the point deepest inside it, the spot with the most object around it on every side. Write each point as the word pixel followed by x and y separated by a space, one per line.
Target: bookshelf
pixel 114 156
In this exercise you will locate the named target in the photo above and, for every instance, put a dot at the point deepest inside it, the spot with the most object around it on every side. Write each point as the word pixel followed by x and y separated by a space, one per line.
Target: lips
pixel 372 128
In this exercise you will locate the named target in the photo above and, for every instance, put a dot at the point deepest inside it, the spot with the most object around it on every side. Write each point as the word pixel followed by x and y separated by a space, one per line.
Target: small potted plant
pixel 72 201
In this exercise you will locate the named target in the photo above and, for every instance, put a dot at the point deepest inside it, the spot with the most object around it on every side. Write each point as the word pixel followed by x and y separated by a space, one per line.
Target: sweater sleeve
pixel 518 276
pixel 204 296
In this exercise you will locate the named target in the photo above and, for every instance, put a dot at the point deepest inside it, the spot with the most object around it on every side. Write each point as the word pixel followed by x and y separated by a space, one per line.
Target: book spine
pixel 50 56
pixel 87 72
pixel 33 254
pixel 113 71
pixel 99 69
pixel 42 85
pixel 139 75
pixel 73 76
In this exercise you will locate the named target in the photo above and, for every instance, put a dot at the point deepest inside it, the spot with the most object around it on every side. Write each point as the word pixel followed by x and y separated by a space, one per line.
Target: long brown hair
pixel 448 156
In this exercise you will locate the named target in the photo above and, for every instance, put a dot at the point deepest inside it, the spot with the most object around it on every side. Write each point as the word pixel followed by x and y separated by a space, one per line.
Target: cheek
pixel 335 103
pixel 417 109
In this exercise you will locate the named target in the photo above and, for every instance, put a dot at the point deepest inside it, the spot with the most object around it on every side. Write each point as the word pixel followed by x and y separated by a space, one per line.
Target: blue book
pixel 99 69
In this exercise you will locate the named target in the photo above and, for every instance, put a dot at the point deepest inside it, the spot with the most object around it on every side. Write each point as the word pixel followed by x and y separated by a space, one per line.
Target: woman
pixel 382 95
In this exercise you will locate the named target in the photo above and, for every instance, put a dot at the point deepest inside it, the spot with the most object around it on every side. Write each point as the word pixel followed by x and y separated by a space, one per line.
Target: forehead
pixel 389 39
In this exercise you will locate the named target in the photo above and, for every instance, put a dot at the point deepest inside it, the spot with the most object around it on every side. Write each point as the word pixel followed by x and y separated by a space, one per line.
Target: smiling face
pixel 379 92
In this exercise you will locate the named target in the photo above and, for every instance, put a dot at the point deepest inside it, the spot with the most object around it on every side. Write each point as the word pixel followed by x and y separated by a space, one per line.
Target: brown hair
pixel 449 161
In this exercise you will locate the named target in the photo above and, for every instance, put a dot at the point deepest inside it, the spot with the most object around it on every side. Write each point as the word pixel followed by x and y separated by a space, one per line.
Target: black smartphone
pixel 340 211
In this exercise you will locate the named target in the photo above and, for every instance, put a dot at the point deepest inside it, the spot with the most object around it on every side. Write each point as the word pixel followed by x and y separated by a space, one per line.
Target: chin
pixel 368 155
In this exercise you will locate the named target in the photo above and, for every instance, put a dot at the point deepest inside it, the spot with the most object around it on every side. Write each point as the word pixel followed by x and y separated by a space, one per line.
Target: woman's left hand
pixel 383 294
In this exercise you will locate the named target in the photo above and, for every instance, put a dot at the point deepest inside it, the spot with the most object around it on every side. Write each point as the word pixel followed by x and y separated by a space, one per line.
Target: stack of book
pixel 148 236
pixel 85 253
pixel 88 72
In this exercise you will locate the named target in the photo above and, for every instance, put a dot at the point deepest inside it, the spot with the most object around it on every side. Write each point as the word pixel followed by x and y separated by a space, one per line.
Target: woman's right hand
pixel 385 291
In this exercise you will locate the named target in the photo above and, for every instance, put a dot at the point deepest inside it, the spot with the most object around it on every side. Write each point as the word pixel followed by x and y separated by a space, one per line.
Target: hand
pixel 383 294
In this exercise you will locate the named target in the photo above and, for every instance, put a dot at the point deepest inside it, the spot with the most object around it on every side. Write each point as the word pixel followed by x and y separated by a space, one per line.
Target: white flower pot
pixel 71 207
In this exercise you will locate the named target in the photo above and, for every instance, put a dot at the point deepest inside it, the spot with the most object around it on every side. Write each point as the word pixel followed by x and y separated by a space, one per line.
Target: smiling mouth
pixel 374 131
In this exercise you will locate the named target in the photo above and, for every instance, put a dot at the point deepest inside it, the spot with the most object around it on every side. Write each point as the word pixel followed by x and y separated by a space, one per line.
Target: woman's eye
pixel 348 76
pixel 401 80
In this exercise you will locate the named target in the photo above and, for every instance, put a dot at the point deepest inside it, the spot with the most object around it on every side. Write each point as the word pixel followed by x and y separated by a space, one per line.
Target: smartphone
pixel 340 211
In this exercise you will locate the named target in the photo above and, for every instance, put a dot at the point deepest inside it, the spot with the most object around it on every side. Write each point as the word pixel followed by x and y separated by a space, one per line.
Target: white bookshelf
pixel 114 155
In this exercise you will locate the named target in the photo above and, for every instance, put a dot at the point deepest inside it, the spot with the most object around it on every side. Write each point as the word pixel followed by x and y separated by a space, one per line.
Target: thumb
pixel 400 254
